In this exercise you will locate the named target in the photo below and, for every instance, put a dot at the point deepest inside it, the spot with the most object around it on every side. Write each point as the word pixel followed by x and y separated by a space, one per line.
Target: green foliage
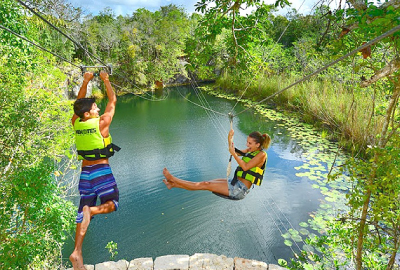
pixel 34 218
pixel 337 245
pixel 145 47
pixel 33 135
pixel 254 54
pixel 112 248
pixel 360 115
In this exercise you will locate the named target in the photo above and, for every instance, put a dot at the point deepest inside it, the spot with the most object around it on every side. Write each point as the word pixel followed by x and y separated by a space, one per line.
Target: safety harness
pixel 90 144
pixel 254 175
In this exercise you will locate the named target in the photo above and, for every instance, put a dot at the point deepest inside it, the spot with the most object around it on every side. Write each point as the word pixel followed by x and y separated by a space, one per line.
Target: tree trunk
pixel 389 112
pixel 393 256
pixel 360 239
pixel 382 143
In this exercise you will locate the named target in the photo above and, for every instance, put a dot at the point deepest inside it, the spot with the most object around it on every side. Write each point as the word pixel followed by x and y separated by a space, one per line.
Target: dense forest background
pixel 355 102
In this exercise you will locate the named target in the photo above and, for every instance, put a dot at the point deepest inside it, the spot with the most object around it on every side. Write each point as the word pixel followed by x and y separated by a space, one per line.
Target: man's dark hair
pixel 83 105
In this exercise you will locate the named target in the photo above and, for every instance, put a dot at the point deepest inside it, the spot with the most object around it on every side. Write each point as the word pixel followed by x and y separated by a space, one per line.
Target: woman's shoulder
pixel 262 154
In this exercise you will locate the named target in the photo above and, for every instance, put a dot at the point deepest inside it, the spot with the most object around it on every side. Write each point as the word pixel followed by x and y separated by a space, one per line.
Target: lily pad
pixel 288 243
pixel 303 224
pixel 304 231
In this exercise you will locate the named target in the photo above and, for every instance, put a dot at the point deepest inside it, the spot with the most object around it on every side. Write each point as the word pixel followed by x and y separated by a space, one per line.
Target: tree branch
pixel 389 69
pixel 361 6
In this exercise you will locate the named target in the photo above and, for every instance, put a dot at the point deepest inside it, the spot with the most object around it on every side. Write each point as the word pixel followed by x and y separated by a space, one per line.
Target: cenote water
pixel 153 221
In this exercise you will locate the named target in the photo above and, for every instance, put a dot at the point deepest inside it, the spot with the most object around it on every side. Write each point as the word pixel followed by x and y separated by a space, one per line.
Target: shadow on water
pixel 153 221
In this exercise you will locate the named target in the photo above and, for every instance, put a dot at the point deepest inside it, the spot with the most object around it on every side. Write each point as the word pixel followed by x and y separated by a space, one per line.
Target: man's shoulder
pixel 105 120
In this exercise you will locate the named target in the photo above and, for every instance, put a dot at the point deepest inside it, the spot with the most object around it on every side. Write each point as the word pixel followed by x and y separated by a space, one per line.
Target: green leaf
pixel 288 243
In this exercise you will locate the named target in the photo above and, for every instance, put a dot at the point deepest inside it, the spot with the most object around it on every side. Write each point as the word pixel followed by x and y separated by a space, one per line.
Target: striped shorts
pixel 96 181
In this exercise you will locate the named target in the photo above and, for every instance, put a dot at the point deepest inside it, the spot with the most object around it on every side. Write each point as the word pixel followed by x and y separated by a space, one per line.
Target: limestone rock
pixel 245 264
pixel 172 262
pixel 141 264
pixel 120 265
pixel 87 266
pixel 275 267
pixel 210 261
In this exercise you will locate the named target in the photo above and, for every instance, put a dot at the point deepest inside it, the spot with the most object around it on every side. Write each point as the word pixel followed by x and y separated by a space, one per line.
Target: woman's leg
pixel 217 185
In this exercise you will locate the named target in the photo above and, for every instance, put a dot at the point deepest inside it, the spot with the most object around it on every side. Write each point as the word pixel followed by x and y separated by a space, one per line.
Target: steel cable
pixel 37 45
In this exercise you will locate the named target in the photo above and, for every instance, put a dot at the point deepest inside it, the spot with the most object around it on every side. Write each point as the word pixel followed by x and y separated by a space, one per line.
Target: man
pixel 94 146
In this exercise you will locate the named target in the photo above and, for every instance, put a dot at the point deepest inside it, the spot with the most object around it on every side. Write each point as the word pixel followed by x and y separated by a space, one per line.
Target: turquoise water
pixel 153 221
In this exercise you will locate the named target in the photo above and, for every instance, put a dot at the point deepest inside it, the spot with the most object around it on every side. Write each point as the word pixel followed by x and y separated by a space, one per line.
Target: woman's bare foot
pixel 169 179
pixel 86 218
pixel 77 261
pixel 167 183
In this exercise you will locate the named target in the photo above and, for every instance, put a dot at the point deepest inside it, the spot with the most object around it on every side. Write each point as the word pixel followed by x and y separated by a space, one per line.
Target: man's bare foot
pixel 77 261
pixel 86 219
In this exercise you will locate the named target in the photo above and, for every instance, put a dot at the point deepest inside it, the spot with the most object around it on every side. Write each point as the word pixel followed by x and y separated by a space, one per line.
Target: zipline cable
pixel 274 216
pixel 375 40
pixel 271 206
pixel 211 114
pixel 37 45
pixel 277 226
pixel 201 106
pixel 248 85
pixel 61 32
pixel 393 30
pixel 207 107
pixel 132 83
pixel 386 34
pixel 79 45
pixel 149 99
pixel 62 58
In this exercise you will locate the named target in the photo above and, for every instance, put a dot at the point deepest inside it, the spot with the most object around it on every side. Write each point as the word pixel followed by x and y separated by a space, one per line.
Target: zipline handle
pixel 107 68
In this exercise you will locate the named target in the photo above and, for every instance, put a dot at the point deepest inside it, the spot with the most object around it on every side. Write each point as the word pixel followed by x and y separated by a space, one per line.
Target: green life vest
pixel 90 144
pixel 255 174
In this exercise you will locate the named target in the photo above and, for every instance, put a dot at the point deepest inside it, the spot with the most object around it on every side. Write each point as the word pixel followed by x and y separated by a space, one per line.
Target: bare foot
pixel 168 175
pixel 169 179
pixel 86 219
pixel 168 184
pixel 77 261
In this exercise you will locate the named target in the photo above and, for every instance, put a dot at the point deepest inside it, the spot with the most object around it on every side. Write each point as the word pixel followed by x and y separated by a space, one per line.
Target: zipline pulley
pixel 108 68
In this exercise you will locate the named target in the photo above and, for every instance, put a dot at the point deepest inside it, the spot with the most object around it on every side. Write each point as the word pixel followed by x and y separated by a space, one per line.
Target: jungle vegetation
pixel 252 55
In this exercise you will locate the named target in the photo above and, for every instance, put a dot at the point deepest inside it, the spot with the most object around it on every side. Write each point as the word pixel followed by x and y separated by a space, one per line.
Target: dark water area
pixel 153 221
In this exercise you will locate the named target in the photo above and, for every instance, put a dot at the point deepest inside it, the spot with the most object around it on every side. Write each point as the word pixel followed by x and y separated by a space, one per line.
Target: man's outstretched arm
pixel 87 77
pixel 109 112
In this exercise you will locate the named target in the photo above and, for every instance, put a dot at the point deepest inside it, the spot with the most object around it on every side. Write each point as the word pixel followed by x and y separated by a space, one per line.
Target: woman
pixel 250 170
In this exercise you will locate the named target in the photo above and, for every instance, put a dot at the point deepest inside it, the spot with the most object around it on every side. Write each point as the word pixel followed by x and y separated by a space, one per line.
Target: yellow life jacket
pixel 91 145
pixel 255 174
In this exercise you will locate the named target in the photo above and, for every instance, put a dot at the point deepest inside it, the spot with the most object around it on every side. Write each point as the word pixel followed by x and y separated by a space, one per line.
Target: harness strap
pixel 238 169
pixel 99 153
pixel 235 178
pixel 239 152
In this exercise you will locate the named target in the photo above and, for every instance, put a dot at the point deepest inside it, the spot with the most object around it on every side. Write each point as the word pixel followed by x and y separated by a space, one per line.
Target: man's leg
pixel 81 229
pixel 104 208
pixel 109 199
pixel 76 257
pixel 91 181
